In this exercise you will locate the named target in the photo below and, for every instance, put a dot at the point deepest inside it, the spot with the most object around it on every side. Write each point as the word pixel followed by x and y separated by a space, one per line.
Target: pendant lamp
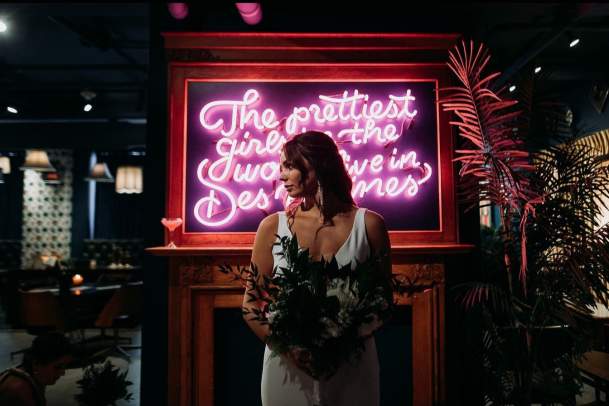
pixel 129 179
pixel 37 160
pixel 100 173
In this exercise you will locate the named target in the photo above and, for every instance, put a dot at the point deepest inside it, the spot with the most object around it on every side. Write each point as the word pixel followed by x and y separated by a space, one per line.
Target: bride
pixel 328 223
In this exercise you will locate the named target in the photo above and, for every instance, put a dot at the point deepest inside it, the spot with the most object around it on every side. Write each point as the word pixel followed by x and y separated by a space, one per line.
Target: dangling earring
pixel 320 191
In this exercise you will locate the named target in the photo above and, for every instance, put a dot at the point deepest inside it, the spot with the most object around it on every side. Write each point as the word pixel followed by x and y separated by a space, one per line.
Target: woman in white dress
pixel 327 222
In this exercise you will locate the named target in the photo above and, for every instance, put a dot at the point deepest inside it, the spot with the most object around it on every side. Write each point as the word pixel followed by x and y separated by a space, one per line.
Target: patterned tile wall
pixel 47 211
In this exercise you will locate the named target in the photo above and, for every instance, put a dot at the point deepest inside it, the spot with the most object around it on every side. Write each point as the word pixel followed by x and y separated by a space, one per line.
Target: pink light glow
pixel 250 12
pixel 179 11
pixel 238 179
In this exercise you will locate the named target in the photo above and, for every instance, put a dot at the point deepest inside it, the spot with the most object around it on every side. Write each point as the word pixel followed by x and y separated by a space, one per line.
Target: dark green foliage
pixel 103 385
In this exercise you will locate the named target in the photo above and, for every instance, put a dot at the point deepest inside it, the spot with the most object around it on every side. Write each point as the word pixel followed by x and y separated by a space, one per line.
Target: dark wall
pixel 80 201
pixel 585 117
pixel 11 202
pixel 119 215
pixel 154 328
pixel 463 333
pixel 73 135
pixel 288 17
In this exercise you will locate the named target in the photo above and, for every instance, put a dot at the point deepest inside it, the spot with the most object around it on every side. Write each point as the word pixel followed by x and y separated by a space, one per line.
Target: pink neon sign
pixel 238 172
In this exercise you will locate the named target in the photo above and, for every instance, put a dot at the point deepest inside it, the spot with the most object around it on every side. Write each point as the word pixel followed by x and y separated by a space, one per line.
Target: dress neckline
pixel 344 244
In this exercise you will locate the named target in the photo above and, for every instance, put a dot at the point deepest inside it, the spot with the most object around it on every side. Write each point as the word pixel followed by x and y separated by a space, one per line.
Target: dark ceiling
pixel 52 52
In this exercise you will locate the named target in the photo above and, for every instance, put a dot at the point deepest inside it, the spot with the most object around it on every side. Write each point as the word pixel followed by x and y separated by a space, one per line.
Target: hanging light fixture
pixel 250 12
pixel 100 173
pixel 179 11
pixel 37 160
pixel 5 165
pixel 129 179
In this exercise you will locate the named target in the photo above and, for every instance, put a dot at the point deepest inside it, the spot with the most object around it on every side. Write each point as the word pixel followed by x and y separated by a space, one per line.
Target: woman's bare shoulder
pixel 374 221
pixel 376 231
pixel 268 227
pixel 270 222
pixel 262 255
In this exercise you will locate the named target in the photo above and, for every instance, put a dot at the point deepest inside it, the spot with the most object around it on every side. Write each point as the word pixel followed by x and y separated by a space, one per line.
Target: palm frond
pixel 494 162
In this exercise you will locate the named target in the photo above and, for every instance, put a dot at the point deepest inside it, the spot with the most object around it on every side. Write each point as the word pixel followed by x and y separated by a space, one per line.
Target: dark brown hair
pixel 320 151
pixel 45 349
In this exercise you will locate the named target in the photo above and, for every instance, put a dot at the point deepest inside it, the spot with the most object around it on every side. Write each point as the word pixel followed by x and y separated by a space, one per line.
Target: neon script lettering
pixel 243 175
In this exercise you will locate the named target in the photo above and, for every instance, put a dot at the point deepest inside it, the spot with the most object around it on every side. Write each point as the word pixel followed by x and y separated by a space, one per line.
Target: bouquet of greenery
pixel 318 307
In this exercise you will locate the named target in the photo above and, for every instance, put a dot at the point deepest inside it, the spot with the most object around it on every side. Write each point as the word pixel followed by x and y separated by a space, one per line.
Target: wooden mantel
pixel 410 249
pixel 196 288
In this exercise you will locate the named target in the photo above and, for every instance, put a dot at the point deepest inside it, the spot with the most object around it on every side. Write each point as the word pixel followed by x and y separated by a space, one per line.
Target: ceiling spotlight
pixel 3 26
pixel 574 42
pixel 87 107
pixel 11 109
pixel 537 69
pixel 512 88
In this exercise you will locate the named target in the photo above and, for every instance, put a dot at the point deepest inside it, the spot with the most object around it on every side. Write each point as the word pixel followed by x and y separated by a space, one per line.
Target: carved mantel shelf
pixel 411 249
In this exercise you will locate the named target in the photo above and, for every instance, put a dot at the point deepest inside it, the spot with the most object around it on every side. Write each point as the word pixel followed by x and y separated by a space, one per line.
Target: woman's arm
pixel 262 258
pixel 378 238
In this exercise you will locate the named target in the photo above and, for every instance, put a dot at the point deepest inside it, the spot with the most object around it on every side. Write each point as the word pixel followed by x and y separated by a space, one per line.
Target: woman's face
pixel 292 178
pixel 48 374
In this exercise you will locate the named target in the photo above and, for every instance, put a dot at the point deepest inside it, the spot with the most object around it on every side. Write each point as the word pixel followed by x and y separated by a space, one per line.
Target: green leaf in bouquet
pixel 316 278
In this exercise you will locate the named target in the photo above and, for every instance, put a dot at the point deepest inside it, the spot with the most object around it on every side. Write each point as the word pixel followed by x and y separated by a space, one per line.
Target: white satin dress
pixel 284 384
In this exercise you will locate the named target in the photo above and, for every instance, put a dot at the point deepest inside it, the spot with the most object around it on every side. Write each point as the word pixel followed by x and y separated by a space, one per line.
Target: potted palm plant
pixel 548 262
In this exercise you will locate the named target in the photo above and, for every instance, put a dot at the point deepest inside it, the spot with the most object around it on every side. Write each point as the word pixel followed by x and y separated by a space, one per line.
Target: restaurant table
pixel 13 280
pixel 83 305
pixel 87 288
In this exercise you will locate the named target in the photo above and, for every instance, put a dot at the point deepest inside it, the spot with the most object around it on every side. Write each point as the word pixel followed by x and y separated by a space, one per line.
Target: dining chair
pixel 40 312
pixel 123 310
